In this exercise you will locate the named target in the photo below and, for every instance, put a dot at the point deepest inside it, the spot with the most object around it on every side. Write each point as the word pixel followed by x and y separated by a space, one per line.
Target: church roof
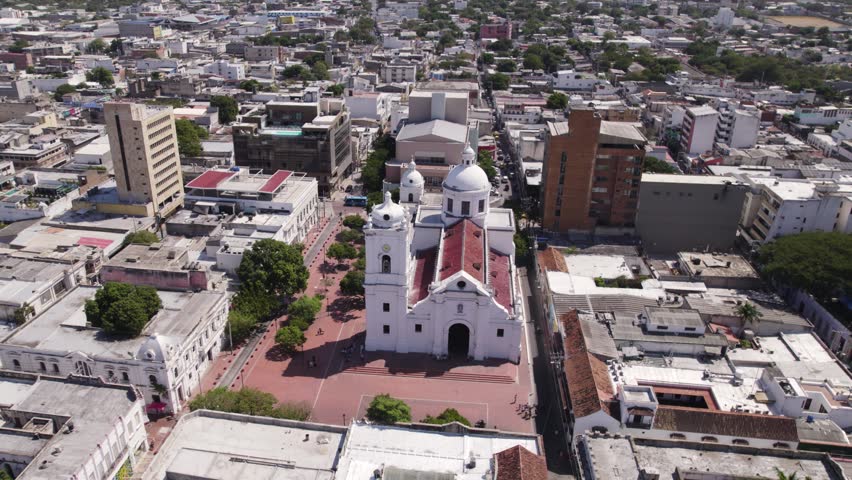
pixel 424 273
pixel 464 250
pixel 500 278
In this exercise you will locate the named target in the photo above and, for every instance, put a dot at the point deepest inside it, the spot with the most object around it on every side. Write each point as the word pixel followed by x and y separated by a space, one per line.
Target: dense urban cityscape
pixel 423 239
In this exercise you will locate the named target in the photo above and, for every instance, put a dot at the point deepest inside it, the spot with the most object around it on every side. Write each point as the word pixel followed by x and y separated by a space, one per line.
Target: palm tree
pixel 749 314
pixel 786 476
pixel 23 313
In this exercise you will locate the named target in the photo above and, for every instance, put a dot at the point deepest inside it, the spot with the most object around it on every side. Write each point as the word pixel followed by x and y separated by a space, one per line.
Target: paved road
pixel 234 370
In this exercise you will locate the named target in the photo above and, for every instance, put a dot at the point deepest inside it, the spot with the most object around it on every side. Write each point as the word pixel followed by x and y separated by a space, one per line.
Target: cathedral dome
pixel 388 214
pixel 467 177
pixel 411 177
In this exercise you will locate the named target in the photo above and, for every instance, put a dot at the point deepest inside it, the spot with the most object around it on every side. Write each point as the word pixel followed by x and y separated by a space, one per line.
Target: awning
pixel 156 406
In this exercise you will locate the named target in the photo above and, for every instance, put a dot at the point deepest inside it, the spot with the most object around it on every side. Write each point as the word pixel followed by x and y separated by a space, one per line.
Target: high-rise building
pixel 144 146
pixel 698 131
pixel 591 173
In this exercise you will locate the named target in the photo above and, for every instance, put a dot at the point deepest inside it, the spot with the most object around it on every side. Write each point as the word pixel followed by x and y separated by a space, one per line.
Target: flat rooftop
pixel 689 179
pixel 224 446
pixel 717 265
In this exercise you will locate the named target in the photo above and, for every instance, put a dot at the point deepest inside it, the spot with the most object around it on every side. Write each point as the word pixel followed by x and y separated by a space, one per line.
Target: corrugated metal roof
pixel 453 132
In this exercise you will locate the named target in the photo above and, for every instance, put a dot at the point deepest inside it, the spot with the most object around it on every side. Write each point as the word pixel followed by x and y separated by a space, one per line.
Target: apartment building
pixel 399 72
pixel 825 115
pixel 145 155
pixel 698 130
pixel 226 70
pixel 296 136
pixel 591 175
pixel 782 206
pixel 496 31
pixel 738 124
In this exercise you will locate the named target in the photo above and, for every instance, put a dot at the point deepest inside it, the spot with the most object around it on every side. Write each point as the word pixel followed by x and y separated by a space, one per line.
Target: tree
pixel 23 313
pixel 485 159
pixel 62 90
pixel 290 338
pixel 320 70
pixel 353 283
pixel 486 58
pixel 341 251
pixel 122 309
pixel 655 165
pixel 748 313
pixel 227 108
pixel 189 143
pixel 18 46
pixel 141 237
pixel 557 101
pixel 100 75
pixel 116 46
pixel 506 66
pixel 304 310
pixel 336 89
pixel 449 415
pixel 388 410
pixel 354 221
pixel 97 45
pixel 274 267
pixel 819 263
pixel 241 325
pixel 248 401
pixel 250 85
pixel 533 62
pixel 350 236
pixel 498 81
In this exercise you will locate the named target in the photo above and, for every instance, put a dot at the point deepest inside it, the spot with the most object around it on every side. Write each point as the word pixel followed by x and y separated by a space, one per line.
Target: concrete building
pixel 158 266
pixel 689 212
pixel 445 285
pixel 140 28
pixel 45 151
pixel 144 147
pixel 724 18
pixel 75 427
pixel 496 31
pixel 399 72
pixel 166 362
pixel 591 173
pixel 227 70
pixel 37 282
pixel 824 115
pixel 698 131
pixel 782 206
pixel 297 137
pixel 738 124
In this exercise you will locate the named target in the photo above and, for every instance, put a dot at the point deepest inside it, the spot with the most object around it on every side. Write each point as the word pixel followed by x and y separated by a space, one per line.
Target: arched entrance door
pixel 459 340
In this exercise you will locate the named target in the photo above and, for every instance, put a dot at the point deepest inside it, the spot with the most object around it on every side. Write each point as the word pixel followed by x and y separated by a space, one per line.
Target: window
pixel 42 366
pixel 450 205
pixel 709 439
pixel 807 405
pixel 386 307
pixel 125 376
pixel 677 436
pixel 16 363
pixel 558 212
pixel 481 206
pixel 465 210
pixel 739 441
pixel 386 329
pixel 500 332
pixel 55 368
pixel 599 190
pixel 152 379
pixel 418 327
pixel 386 264
pixel 460 308
pixel 410 197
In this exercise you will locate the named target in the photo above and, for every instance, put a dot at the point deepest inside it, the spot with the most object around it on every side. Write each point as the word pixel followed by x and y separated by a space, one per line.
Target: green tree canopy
pixel 350 235
pixel 62 90
pixel 341 251
pixel 336 89
pixel 353 283
pixel 498 81
pixel 241 325
pixel 304 310
pixel 818 262
pixel 122 309
pixel 274 267
pixel 100 75
pixel 557 101
pixel 388 410
pixel 141 237
pixel 250 85
pixel 290 338
pixel 485 160
pixel 97 45
pixel 189 137
pixel 249 401
pixel 506 66
pixel 354 221
pixel 447 416
pixel 655 165
pixel 227 106
pixel 18 46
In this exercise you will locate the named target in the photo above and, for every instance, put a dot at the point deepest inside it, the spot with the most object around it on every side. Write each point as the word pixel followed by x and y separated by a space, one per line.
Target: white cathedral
pixel 443 282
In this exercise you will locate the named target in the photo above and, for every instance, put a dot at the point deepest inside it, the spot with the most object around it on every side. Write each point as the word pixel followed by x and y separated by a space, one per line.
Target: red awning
pixel 156 406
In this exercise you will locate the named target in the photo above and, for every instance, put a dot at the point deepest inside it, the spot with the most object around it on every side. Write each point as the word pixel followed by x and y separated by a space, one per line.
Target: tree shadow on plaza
pixel 343 309
pixel 313 362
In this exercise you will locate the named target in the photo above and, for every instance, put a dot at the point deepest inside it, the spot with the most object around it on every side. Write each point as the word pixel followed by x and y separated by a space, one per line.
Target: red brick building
pixel 496 31
pixel 591 175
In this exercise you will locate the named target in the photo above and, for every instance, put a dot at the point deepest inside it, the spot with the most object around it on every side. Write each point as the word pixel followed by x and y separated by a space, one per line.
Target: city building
pixel 822 115
pixel 496 31
pixel 399 72
pixel 698 131
pixel 37 282
pixel 74 427
pixel 724 18
pixel 591 173
pixel 297 137
pixel 159 266
pixel 144 147
pixel 445 284
pixel 227 70
pixel 738 124
pixel 689 212
pixel 166 362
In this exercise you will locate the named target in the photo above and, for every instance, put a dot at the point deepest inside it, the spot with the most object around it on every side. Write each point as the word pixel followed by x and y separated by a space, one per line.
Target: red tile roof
pixel 499 273
pixel 552 260
pixel 94 242
pixel 518 463
pixel 210 179
pixel 464 249
pixel 732 424
pixel 589 385
pixel 275 181
pixel 424 273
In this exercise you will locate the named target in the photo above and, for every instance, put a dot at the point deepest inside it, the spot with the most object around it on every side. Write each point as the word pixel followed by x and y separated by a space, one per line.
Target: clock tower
pixel 387 236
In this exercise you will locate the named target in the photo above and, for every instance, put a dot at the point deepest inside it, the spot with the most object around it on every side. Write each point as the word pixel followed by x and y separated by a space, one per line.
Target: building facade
pixel 143 142
pixel 698 130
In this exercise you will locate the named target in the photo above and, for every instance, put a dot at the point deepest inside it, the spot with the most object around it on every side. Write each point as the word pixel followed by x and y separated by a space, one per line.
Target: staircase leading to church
pixel 435 374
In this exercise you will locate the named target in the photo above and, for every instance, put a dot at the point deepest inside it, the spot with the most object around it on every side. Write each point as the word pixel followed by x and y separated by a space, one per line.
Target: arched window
pixel 460 308
pixel 152 379
pixel 781 445
pixel 125 376
pixel 55 368
pixel 42 366
pixel 16 363
pixel 386 264
pixel 410 197
pixel 677 436
pixel 739 441
pixel 709 439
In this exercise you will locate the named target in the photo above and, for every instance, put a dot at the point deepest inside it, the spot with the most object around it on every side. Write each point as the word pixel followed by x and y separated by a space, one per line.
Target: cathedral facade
pixel 441 279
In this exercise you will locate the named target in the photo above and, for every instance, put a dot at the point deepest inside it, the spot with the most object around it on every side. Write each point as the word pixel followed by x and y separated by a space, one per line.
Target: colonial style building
pixel 444 282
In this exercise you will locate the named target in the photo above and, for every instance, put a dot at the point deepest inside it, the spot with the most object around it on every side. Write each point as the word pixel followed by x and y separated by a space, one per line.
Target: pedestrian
pixel 313 360
pixel 514 400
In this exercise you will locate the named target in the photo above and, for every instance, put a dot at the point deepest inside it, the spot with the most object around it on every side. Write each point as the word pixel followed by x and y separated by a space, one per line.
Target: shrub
pixel 447 416
pixel 388 410
pixel 290 338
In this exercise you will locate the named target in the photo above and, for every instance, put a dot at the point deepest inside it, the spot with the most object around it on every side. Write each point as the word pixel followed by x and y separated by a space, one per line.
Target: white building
pixel 825 115
pixel 399 72
pixel 444 284
pixel 698 130
pixel 586 82
pixel 166 362
pixel 738 124
pixel 370 105
pixel 67 428
pixel 782 206
pixel 226 70
pixel 724 18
